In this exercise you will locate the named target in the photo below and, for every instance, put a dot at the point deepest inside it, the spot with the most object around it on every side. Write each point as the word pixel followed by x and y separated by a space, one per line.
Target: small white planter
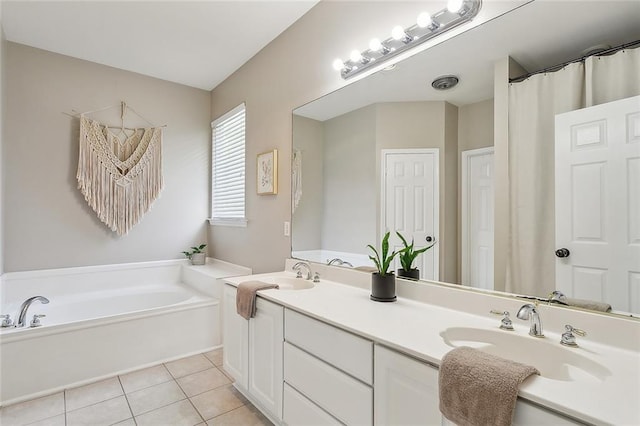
pixel 198 258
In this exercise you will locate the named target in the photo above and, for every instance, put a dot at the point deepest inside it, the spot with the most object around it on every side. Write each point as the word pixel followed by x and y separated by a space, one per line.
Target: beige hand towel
pixel 246 297
pixel 592 305
pixel 479 389
pixel 366 268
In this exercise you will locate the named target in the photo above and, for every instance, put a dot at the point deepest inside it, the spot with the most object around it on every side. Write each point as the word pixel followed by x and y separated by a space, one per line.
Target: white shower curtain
pixel 533 105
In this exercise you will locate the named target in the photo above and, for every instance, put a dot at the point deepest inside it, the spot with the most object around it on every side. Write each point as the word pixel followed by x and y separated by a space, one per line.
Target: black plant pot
pixel 413 274
pixel 383 287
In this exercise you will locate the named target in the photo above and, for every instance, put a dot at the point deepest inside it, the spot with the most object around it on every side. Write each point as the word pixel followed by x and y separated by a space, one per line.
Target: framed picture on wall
pixel 267 174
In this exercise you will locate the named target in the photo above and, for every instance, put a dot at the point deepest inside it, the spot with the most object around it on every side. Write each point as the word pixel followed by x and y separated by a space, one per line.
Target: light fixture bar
pixel 399 42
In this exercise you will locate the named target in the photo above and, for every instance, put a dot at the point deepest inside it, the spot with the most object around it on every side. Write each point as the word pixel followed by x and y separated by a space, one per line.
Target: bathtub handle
pixel 35 322
pixel 7 321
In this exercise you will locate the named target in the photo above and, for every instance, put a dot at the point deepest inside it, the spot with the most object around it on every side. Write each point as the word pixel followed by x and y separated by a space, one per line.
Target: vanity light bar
pixel 456 13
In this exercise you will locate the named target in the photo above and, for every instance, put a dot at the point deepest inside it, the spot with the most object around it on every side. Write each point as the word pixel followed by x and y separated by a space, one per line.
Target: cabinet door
pixel 266 336
pixel 235 330
pixel 405 390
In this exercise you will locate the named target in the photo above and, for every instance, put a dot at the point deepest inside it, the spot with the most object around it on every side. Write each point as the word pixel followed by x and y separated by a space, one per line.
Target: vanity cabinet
pixel 406 393
pixel 406 390
pixel 253 352
pixel 328 373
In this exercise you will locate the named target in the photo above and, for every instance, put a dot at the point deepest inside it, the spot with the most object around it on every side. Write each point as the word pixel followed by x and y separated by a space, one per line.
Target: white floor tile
pixel 91 394
pixel 200 382
pixel 189 365
pixel 180 413
pixel 155 397
pixel 103 413
pixel 58 420
pixel 218 401
pixel 141 379
pixel 32 411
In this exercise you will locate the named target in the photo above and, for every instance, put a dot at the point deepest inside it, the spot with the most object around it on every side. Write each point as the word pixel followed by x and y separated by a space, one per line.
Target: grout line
pixel 197 412
pixel 64 401
pixel 126 398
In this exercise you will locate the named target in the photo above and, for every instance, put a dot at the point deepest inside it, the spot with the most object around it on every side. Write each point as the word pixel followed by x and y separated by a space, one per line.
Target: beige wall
pixel 292 70
pixel 47 222
pixel 350 185
pixel 475 130
pixel 3 50
pixel 306 221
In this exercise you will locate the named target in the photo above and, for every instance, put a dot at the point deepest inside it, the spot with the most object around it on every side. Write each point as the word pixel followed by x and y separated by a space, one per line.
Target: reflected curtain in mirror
pixel 533 104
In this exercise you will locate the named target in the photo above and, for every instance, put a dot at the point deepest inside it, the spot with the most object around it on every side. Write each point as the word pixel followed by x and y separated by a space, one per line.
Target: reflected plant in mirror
pixel 407 258
pixel 508 186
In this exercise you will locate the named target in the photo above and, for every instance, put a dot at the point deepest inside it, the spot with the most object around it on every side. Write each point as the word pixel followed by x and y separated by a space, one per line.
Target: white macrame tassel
pixel 120 181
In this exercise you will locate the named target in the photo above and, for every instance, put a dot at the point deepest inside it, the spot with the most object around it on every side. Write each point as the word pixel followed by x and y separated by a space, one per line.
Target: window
pixel 228 164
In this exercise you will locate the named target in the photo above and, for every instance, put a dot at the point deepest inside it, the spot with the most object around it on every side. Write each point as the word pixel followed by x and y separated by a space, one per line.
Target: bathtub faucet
pixel 22 318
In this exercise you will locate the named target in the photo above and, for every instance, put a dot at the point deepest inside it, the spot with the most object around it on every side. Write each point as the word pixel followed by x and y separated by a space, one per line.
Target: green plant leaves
pixel 408 255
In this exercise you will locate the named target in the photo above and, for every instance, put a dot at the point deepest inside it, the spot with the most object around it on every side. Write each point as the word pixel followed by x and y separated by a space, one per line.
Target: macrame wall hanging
pixel 119 170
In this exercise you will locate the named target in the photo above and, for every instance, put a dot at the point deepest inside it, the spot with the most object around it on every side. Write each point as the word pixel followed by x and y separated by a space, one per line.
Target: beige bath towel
pixel 246 297
pixel 366 268
pixel 479 389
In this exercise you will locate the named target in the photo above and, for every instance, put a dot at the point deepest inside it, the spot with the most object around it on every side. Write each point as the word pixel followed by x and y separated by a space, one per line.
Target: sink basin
pixel 554 362
pixel 289 283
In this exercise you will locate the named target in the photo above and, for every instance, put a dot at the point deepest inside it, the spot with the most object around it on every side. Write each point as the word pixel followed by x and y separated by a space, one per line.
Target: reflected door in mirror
pixel 410 203
pixel 598 203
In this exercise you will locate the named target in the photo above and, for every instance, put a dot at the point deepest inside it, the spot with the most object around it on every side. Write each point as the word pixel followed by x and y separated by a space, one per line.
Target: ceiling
pixel 187 42
pixel 537 35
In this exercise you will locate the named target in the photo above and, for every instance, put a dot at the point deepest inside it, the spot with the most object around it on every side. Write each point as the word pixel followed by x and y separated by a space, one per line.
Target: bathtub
pixel 106 320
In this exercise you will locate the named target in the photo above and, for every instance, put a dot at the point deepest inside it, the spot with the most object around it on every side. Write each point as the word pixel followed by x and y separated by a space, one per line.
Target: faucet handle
pixel 316 277
pixel 7 321
pixel 568 339
pixel 505 323
pixel 35 322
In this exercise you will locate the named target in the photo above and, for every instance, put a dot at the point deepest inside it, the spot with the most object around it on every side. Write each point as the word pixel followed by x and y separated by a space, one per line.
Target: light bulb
pixel 355 56
pixel 398 33
pixel 424 20
pixel 338 64
pixel 454 6
pixel 375 44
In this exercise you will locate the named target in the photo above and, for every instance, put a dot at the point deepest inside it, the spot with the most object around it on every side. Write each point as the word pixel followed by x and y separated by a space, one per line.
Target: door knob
pixel 429 238
pixel 563 252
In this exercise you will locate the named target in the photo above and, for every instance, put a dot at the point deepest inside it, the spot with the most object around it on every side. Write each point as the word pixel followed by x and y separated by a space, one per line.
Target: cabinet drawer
pixel 298 410
pixel 344 350
pixel 344 397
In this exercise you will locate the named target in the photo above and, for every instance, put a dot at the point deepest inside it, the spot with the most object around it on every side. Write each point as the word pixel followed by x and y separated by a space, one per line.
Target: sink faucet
pixel 299 266
pixel 529 312
pixel 22 318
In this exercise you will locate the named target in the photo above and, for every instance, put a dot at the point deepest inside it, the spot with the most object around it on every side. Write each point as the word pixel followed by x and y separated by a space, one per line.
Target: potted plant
pixel 383 282
pixel 407 257
pixel 196 255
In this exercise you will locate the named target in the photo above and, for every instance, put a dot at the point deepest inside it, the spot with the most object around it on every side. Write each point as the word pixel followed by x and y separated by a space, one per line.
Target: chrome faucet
pixel 339 262
pixel 22 318
pixel 529 312
pixel 299 266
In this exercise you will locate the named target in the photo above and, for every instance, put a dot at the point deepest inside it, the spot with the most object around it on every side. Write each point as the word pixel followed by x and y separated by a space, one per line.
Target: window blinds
pixel 228 166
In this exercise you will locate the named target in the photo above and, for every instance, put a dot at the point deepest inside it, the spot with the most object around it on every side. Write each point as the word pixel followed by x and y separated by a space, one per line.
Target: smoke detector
pixel 445 82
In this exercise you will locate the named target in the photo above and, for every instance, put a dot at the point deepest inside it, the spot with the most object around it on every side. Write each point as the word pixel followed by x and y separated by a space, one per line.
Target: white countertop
pixel 414 328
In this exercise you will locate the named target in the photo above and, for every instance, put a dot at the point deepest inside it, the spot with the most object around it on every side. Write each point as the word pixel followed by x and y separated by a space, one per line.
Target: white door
pixel 410 203
pixel 477 218
pixel 266 337
pixel 235 330
pixel 598 203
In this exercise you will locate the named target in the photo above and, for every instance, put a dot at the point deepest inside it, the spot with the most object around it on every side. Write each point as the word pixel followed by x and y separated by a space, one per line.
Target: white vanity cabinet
pixel 253 352
pixel 406 393
pixel 406 390
pixel 328 373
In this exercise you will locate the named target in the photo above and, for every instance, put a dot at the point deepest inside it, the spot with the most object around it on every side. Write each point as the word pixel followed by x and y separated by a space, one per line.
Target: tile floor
pixel 190 391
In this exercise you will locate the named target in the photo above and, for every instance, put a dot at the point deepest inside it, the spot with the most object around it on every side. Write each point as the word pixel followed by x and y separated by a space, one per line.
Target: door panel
pixel 598 203
pixel 410 203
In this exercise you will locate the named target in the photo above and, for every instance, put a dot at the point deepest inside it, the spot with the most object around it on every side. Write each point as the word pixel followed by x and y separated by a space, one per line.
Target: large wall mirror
pixel 349 150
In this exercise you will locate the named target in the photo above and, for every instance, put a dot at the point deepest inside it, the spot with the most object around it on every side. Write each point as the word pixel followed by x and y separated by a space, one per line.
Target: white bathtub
pixel 106 320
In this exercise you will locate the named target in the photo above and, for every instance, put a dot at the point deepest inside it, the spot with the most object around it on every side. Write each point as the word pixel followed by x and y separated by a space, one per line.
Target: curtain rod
pixel 557 67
